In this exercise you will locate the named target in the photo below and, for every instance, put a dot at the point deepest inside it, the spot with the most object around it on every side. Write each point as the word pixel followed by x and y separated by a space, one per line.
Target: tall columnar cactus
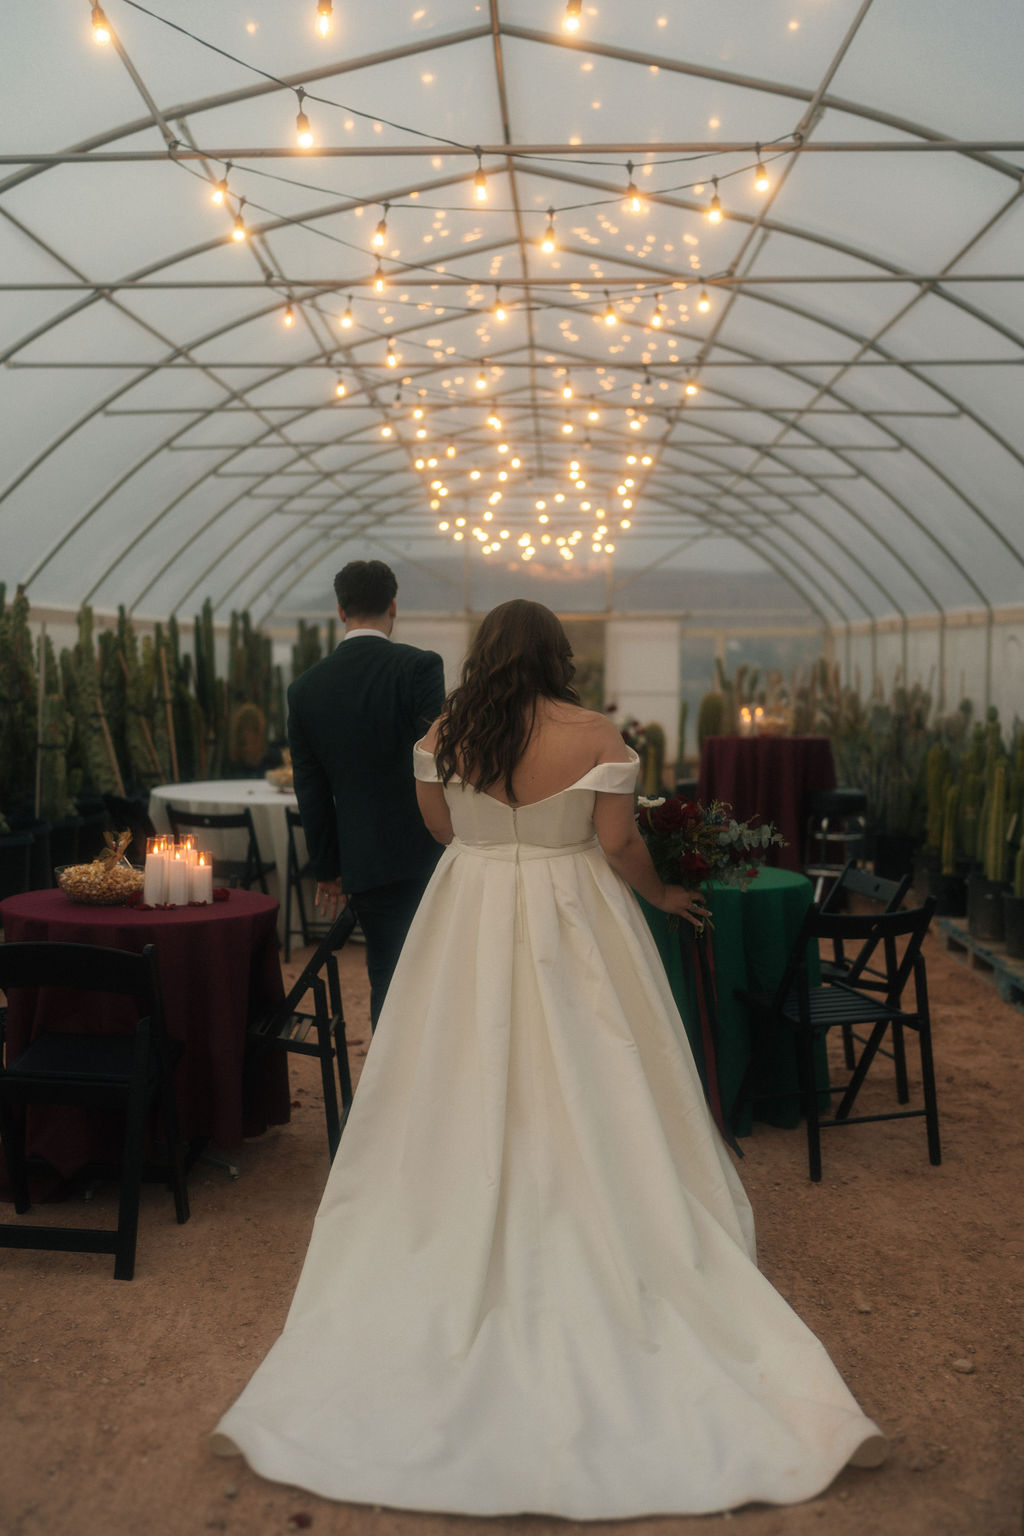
pixel 18 705
pixel 937 778
pixel 950 825
pixel 1018 872
pixel 306 651
pixel 969 812
pixel 56 726
pixel 684 715
pixel 995 825
pixel 143 766
pixel 95 743
pixel 710 716
pixel 654 759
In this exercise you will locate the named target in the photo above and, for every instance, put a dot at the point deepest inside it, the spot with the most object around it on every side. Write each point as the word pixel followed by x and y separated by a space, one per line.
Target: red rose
pixel 694 863
pixel 668 817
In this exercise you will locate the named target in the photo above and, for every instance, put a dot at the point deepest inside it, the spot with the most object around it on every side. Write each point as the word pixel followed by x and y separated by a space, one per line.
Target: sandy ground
pixel 910 1274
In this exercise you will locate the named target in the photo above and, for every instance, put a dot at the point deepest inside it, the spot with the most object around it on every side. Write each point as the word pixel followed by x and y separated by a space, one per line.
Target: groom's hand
pixel 329 898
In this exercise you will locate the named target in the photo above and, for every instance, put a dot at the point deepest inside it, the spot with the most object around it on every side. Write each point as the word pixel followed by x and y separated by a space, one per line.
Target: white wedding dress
pixel 531 1282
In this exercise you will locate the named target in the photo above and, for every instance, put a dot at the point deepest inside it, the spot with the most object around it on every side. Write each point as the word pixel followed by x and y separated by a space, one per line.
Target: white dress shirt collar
pixel 379 633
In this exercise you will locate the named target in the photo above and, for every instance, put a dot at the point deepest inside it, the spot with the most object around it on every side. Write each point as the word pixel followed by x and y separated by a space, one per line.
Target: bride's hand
pixel 683 903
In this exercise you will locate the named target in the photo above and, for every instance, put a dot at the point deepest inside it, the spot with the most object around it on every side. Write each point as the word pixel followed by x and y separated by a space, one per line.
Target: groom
pixel 352 722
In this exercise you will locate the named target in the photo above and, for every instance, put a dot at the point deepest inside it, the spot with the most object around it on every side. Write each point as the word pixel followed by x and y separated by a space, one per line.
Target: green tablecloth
pixel 754 931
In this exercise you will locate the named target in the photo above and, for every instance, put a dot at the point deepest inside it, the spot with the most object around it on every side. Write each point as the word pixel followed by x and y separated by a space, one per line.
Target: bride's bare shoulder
pixel 602 736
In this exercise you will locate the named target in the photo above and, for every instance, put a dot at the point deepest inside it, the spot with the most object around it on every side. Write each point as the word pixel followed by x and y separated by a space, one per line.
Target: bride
pixel 531 1285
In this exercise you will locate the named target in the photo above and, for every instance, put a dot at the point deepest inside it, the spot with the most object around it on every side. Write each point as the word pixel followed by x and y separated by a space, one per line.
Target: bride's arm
pixel 434 810
pixel 627 854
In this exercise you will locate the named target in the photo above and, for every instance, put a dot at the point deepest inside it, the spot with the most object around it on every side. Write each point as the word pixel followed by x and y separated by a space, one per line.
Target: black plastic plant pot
pixel 894 852
pixel 950 892
pixel 926 864
pixel 985 909
pixel 1013 925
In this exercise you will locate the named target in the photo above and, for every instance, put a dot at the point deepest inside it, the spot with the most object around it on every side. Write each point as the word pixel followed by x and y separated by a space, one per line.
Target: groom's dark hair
pixel 365 588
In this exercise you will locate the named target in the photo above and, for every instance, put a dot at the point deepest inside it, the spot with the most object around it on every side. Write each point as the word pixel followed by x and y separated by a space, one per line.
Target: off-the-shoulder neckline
pixel 630 762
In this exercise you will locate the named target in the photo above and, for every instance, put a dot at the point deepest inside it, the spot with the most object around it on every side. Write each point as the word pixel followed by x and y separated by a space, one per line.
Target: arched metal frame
pixel 352 513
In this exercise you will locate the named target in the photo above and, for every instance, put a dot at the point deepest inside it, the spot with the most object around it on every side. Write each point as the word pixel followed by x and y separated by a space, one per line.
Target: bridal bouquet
pixel 690 842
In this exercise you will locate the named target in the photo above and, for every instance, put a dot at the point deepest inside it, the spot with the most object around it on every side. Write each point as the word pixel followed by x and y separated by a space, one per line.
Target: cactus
pixel 1018 871
pixel 94 741
pixel 306 651
pixel 710 716
pixel 950 824
pixel 684 714
pixel 56 727
pixel 654 759
pixel 995 825
pixel 18 705
pixel 937 779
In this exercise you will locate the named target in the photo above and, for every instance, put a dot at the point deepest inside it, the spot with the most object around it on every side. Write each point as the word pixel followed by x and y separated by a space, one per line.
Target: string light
pixel 703 303
pixel 387 430
pixel 380 234
pixel 339 388
pixel 481 378
pixel 289 316
pixel 548 242
pixel 610 317
pixel 324 17
pixel 762 181
pixel 303 131
pixel 634 202
pixel 572 15
pixel 658 318
pixel 378 278
pixel 567 388
pixel 100 26
pixel 346 319
pixel 494 420
pixel 593 415
pixel 567 427
pixel 690 388
pixel 220 188
pixel 239 231
pixel 390 357
pixel 499 312
pixel 715 205
pixel 479 180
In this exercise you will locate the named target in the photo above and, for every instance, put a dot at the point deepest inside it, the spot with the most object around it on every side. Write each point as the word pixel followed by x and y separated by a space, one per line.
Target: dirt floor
pixel 911 1275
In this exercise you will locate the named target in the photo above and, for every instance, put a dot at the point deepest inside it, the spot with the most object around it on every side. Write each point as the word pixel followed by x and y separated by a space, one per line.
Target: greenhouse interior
pixel 700 324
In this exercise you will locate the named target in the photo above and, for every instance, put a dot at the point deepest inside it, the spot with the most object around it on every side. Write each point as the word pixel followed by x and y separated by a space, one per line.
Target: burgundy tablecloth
pixel 217 964
pixel 770 777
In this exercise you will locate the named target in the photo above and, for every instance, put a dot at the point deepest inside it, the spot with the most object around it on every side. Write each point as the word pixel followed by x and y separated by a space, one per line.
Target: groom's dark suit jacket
pixel 352 722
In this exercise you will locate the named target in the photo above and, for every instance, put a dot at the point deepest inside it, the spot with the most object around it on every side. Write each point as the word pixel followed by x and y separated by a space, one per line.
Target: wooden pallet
pixel 989 958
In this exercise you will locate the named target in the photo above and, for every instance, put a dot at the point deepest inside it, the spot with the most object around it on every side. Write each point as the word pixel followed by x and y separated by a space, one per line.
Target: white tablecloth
pixel 219 795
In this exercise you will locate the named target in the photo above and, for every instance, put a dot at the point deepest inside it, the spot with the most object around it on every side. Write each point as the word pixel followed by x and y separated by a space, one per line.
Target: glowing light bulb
pixel 324 17
pixel 635 424
pixel 658 318
pixel 443 527
pixel 572 15
pixel 239 231
pixel 339 389
pixel 634 202
pixel 390 357
pixel 387 430
pixel 303 131
pixel 499 311
pixel 567 390
pixel 450 451
pixel 715 205
pixel 625 523
pixel 220 190
pixel 494 420
pixel 690 388
pixel 593 416
pixel 548 242
pixel 762 181
pixel 703 303
pixel 479 181
pixel 610 317
pixel 289 316
pixel 481 379
pixel 568 428
pixel 378 279
pixel 380 234
pixel 346 319
pixel 100 26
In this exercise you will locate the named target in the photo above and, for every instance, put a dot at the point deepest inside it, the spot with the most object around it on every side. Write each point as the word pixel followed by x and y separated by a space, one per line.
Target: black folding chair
pixel 298 873
pixel 886 894
pixel 809 1012
pixel 125 1072
pixel 235 872
pixel 318 1031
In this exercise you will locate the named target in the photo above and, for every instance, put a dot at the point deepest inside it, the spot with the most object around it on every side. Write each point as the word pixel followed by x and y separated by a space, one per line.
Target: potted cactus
pixel 947 882
pixel 1013 909
pixel 985 888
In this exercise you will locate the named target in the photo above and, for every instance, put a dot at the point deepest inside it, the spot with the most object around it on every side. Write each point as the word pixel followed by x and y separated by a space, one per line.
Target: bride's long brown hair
pixel 520 654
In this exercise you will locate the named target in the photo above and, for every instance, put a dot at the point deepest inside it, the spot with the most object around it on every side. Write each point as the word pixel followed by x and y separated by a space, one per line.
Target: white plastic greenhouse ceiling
pixel 700 319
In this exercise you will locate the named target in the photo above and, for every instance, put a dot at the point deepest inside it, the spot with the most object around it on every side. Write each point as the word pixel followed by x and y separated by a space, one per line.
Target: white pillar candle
pixel 177 879
pixel 201 875
pixel 153 889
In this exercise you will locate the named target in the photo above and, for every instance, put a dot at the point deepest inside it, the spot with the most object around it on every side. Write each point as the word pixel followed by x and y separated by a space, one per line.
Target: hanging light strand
pixel 715 205
pixel 571 23
pixel 303 131
pixel 634 202
pixel 101 32
pixel 548 243
pixel 324 17
pixel 479 180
